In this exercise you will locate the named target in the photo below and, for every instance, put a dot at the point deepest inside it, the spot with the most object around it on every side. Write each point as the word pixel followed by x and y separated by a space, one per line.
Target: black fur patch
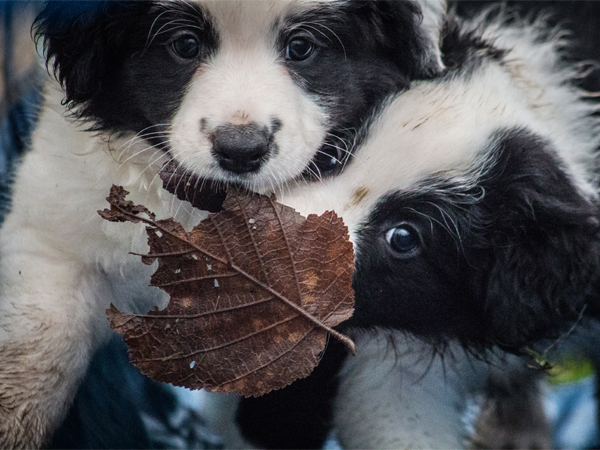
pixel 503 262
pixel 465 49
pixel 114 58
pixel 299 416
pixel 365 51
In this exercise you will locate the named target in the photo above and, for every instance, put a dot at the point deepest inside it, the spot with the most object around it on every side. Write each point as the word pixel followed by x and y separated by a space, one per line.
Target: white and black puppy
pixel 473 207
pixel 474 197
pixel 253 93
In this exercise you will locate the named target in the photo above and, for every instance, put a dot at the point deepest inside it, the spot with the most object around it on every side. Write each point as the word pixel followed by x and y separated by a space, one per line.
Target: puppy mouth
pixel 208 194
pixel 203 193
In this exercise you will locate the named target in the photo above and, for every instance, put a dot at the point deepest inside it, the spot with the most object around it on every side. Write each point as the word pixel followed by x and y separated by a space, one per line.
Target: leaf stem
pixel 344 339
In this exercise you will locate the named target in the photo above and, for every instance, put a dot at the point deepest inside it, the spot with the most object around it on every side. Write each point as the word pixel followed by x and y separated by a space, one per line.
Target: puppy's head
pixel 471 204
pixel 251 92
pixel 501 255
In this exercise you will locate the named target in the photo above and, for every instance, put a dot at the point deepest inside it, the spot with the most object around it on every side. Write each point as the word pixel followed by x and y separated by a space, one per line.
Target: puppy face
pixel 254 93
pixel 469 204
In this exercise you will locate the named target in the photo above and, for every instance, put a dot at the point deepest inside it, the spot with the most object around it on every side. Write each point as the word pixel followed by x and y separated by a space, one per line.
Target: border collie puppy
pixel 254 93
pixel 473 202
pixel 473 207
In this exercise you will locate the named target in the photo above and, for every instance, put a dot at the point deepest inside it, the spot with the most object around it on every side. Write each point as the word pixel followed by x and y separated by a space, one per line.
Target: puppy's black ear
pixel 77 41
pixel 543 243
pixel 410 30
pixel 428 25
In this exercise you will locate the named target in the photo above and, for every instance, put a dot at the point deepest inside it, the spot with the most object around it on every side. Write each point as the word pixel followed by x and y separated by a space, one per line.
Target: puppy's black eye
pixel 403 239
pixel 326 162
pixel 299 49
pixel 186 47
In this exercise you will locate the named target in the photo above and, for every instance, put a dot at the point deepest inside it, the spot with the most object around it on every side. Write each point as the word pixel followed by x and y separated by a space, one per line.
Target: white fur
pixel 219 411
pixel 417 400
pixel 245 83
pixel 62 265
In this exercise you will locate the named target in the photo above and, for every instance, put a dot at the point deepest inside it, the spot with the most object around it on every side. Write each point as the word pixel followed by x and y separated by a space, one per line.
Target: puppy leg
pixel 50 324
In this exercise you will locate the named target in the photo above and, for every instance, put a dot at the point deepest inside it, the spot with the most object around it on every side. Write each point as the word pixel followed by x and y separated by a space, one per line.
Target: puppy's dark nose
pixel 241 148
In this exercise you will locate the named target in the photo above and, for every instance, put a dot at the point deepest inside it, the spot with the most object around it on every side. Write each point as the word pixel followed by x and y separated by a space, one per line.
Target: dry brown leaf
pixel 254 291
pixel 207 195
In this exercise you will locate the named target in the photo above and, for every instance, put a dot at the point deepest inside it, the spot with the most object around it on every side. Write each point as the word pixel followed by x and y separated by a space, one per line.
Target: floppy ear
pixel 410 30
pixel 429 29
pixel 543 239
pixel 76 40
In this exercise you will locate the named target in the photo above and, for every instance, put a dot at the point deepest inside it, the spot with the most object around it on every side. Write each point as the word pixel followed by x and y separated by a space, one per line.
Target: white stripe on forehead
pixel 246 22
